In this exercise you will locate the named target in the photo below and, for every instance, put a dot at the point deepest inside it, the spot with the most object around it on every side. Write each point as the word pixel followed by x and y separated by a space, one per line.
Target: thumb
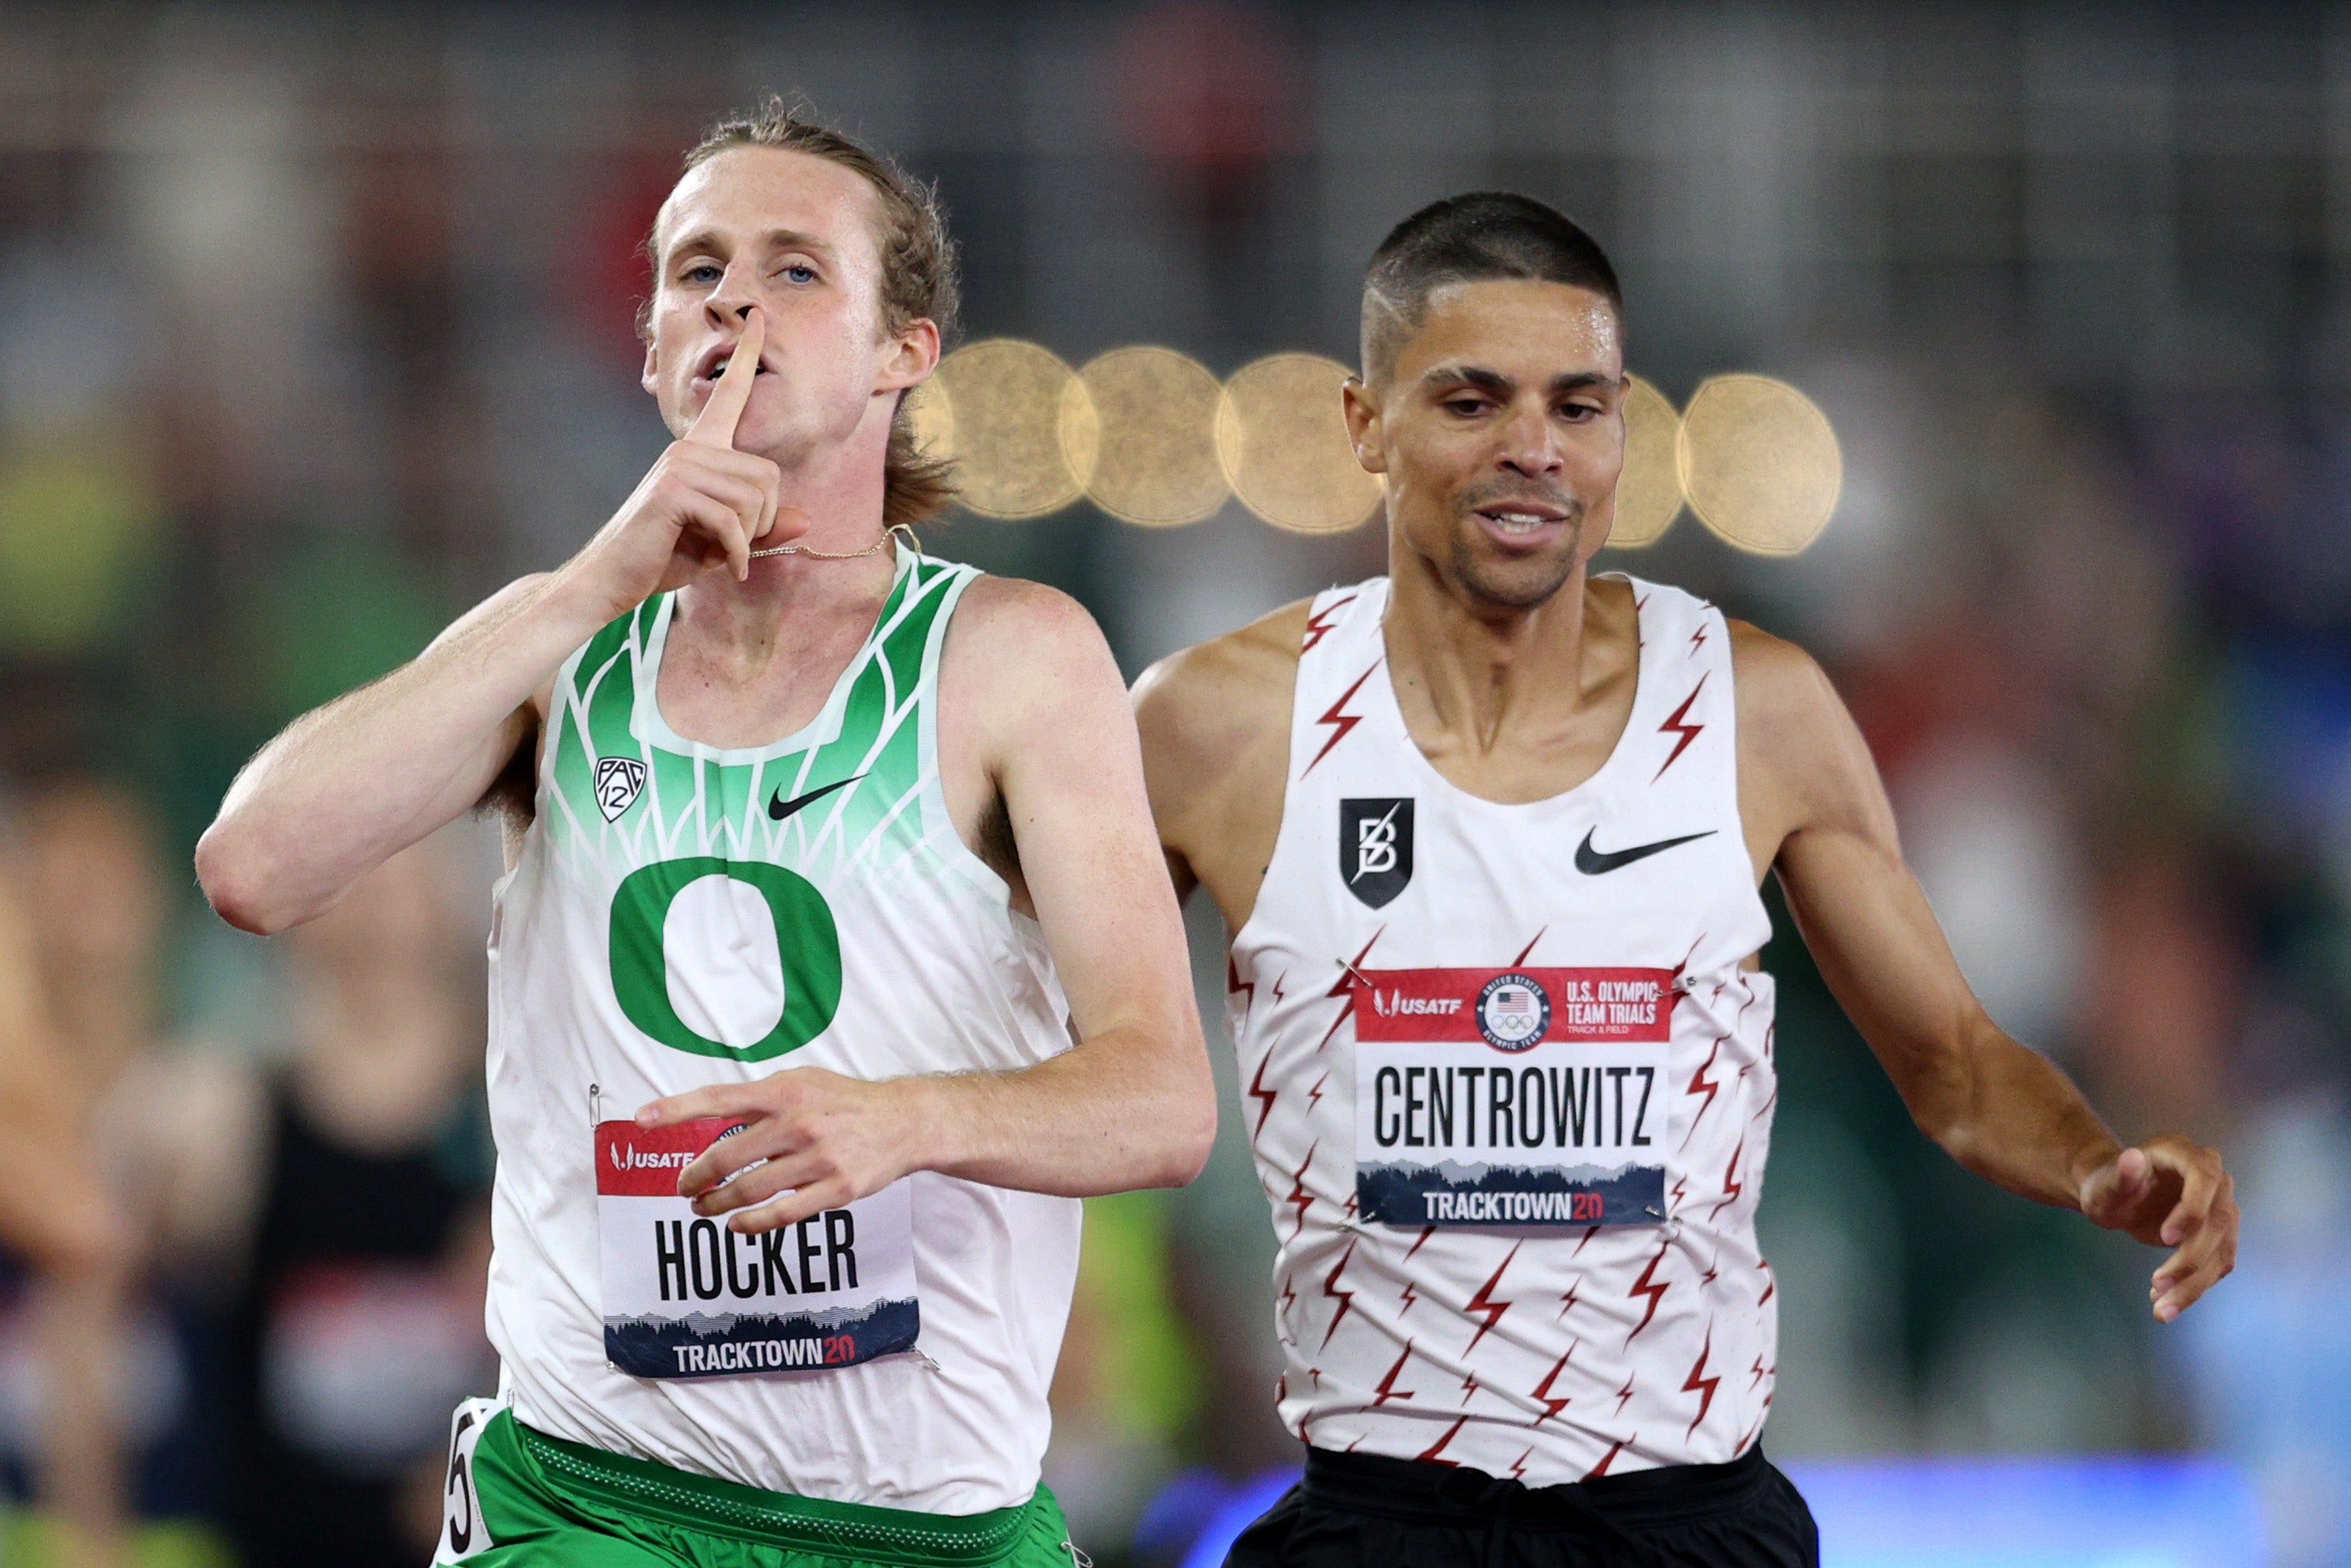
pixel 2115 1186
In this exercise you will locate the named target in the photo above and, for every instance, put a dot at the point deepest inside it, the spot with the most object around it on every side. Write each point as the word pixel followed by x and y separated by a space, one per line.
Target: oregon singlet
pixel 685 915
pixel 1508 1088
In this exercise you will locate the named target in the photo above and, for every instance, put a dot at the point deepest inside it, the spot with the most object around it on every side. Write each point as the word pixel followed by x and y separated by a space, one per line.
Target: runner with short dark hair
pixel 1489 834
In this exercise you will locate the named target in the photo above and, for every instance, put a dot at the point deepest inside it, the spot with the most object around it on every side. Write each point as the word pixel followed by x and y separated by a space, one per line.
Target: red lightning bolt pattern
pixel 1642 1287
pixel 1431 1455
pixel 1701 1386
pixel 1343 990
pixel 1542 1390
pixel 1731 1186
pixel 1387 1389
pixel 1299 1196
pixel 1257 1090
pixel 1700 1084
pixel 1344 1298
pixel 1673 726
pixel 1236 987
pixel 1318 626
pixel 1483 1301
pixel 1340 723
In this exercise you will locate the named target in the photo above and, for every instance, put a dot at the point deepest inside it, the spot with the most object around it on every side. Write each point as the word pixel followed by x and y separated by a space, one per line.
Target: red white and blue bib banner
pixel 684 1296
pixel 1512 1097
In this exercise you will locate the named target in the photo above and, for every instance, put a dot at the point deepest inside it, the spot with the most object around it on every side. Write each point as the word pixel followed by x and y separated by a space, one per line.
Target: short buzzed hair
pixel 1473 239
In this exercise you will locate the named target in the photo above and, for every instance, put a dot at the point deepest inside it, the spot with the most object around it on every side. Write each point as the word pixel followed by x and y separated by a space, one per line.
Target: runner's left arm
pixel 1133 1104
pixel 1816 808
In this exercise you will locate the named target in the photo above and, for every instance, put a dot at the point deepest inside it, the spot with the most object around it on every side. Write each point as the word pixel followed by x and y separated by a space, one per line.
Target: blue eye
pixel 798 273
pixel 697 273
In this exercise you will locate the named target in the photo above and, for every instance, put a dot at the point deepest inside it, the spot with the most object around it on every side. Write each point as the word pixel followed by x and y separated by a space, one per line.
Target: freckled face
pixel 795 236
pixel 1500 431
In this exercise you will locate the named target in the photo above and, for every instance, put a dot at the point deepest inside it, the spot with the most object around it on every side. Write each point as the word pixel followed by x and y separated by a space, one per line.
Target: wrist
pixel 576 605
pixel 2089 1160
pixel 932 1119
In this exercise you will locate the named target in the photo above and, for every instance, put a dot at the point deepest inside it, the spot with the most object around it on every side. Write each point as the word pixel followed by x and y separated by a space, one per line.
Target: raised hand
pixel 702 506
pixel 2170 1192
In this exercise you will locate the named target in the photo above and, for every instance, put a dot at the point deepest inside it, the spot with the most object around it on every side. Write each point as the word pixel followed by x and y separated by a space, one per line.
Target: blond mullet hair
pixel 918 273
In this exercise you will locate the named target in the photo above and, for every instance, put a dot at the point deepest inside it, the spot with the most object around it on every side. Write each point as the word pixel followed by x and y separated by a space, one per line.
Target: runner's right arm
pixel 349 786
pixel 1214 726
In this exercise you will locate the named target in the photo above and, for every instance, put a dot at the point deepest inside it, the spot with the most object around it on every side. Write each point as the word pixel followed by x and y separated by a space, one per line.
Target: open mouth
pixel 1520 521
pixel 715 361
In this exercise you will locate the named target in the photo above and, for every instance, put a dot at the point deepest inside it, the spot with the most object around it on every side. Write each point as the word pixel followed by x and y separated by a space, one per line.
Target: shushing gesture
pixel 704 505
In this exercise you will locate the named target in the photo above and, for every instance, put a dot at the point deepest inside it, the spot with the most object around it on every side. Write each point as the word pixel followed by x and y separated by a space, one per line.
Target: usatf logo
pixel 1375 848
pixel 1513 1012
pixel 619 781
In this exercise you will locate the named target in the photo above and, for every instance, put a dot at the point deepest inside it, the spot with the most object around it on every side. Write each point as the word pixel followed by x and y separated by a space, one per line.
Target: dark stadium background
pixel 315 325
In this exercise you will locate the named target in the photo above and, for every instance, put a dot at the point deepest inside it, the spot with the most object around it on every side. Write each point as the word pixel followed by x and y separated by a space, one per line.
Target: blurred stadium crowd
pixel 316 326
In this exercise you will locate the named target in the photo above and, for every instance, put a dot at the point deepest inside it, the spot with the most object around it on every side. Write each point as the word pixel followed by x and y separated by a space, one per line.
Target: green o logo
pixel 806 939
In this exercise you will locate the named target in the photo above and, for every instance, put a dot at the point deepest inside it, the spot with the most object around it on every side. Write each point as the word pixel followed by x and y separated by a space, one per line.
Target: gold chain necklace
pixel 873 548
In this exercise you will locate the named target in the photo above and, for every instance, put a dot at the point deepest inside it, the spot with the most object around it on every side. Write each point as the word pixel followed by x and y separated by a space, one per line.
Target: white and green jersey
pixel 685 915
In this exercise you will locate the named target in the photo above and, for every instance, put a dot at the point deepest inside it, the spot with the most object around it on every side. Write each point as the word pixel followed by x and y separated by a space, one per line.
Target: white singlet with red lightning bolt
pixel 1508 1086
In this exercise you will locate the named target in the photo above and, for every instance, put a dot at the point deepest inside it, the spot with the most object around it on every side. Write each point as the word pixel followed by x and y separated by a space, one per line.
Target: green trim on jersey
pixel 543 1500
pixel 636 813
pixel 707 800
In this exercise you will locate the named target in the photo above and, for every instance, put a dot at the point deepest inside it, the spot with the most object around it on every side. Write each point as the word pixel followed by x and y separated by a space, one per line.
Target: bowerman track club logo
pixel 1375 848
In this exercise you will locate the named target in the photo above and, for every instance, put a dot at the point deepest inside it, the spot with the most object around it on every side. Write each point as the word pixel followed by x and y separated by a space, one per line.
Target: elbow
pixel 1193 1135
pixel 237 879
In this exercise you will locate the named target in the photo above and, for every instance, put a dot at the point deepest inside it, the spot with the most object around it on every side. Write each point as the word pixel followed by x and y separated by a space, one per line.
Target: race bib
pixel 687 1297
pixel 1517 1097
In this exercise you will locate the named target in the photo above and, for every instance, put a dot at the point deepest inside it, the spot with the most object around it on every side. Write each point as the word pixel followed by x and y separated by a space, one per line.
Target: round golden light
pixel 1156 464
pixel 1282 441
pixel 1006 411
pixel 1758 463
pixel 1649 491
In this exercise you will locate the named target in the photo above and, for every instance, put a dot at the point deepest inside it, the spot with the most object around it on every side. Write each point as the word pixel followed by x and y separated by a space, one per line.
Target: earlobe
pixel 1363 416
pixel 647 378
pixel 917 356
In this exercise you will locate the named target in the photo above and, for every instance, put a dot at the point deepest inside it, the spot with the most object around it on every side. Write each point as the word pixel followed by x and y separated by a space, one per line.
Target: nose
pixel 729 304
pixel 1530 444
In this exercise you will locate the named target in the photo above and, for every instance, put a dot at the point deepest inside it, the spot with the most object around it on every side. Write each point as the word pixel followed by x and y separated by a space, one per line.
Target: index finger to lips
pixel 715 425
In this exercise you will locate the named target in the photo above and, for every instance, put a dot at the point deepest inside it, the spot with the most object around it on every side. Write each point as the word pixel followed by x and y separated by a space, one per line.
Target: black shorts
pixel 1363 1511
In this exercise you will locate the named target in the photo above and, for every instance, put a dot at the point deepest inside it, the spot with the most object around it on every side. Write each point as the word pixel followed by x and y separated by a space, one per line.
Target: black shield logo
pixel 1375 848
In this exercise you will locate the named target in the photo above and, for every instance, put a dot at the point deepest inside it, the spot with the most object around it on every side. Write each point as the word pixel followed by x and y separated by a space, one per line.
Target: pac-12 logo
pixel 1513 1012
pixel 619 781
pixel 1375 848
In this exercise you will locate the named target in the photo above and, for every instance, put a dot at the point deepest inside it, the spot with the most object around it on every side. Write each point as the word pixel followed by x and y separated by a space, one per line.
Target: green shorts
pixel 516 1498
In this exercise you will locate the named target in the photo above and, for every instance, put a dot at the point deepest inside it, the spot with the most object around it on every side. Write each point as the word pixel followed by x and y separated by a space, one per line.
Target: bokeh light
pixel 1015 419
pixel 1649 492
pixel 1283 439
pixel 1157 465
pixel 1758 463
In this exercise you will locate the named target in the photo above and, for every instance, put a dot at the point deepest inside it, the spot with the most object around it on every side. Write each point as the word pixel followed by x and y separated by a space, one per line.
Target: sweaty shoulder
pixel 1215 720
pixel 1225 692
pixel 1802 760
pixel 1019 649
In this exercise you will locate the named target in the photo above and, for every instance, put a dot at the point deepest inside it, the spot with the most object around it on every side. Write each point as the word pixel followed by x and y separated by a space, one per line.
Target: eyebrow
pixel 1502 385
pixel 705 240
